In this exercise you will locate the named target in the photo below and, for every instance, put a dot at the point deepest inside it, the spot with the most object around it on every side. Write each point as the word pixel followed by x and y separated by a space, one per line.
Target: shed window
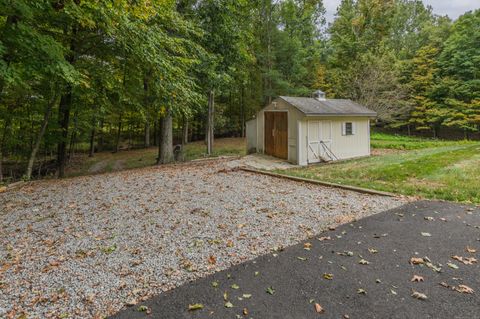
pixel 348 128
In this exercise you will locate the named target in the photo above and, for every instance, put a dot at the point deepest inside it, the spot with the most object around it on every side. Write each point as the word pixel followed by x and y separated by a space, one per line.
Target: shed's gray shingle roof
pixel 311 106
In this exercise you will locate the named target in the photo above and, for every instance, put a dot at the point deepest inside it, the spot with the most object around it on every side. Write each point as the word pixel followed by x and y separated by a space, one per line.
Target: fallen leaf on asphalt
pixel 142 309
pixel 393 292
pixel 225 296
pixel 346 253
pixel 416 261
pixel 195 306
pixel 465 260
pixel 247 296
pixel 318 308
pixel 270 290
pixel 363 262
pixel 417 278
pixel 214 284
pixel 444 284
pixel 328 276
pixel 302 258
pixel 443 219
pixel 245 311
pixel 426 234
pixel 361 291
pixel 469 260
pixel 331 228
pixel 429 218
pixel 234 286
pixel 372 250
pixel 257 273
pixel 228 304
pixel 325 238
pixel 464 289
pixel 452 265
pixel 470 250
pixel 419 295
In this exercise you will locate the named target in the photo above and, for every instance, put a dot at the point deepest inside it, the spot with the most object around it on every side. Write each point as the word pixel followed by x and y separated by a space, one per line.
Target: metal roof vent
pixel 319 95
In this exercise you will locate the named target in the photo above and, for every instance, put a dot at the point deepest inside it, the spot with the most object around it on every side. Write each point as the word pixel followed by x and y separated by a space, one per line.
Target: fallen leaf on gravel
pixel 419 295
pixel 416 261
pixel 426 234
pixel 318 308
pixel 212 260
pixel 363 262
pixel 54 263
pixel 332 228
pixel 229 243
pixel 417 278
pixel 131 302
pixel 307 246
pixel 195 306
pixel 328 276
pixel 452 265
pixel 361 291
pixel 214 284
pixel 270 290
pixel 325 238
pixel 470 250
pixel 464 289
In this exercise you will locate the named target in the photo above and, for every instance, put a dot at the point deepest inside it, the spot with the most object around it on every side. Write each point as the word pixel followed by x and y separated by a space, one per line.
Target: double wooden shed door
pixel 276 134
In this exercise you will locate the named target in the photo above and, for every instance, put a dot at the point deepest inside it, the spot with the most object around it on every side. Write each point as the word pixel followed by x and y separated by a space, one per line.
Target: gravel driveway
pixel 88 246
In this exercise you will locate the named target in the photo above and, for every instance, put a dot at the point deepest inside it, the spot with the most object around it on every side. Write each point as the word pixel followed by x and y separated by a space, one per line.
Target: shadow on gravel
pixel 363 271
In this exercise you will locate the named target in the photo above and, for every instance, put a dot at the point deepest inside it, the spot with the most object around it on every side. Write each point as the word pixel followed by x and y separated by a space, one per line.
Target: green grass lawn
pixel 400 142
pixel 432 169
pixel 108 162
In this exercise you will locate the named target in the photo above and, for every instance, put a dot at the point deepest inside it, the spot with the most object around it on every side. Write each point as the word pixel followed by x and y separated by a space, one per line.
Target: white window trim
pixel 344 128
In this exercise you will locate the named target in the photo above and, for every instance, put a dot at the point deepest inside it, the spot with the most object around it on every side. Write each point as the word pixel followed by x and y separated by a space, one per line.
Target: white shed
pixel 311 130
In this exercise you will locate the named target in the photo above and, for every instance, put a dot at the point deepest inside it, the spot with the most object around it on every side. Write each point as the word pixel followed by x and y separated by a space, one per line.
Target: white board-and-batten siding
pixel 342 145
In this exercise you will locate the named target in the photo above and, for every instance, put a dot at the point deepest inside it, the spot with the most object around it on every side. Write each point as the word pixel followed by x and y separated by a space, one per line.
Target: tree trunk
pixel 242 108
pixel 147 133
pixel 146 106
pixel 210 123
pixel 165 151
pixel 119 132
pixel 155 132
pixel 63 121
pixel 185 131
pixel 64 112
pixel 101 137
pixel 6 130
pixel 91 151
pixel 33 155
